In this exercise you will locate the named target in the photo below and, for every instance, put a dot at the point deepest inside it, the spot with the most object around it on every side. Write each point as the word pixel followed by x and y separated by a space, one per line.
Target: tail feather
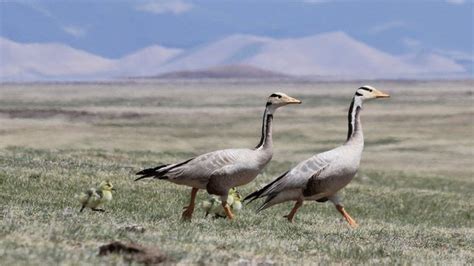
pixel 150 172
pixel 266 204
pixel 263 191
pixel 160 171
pixel 254 195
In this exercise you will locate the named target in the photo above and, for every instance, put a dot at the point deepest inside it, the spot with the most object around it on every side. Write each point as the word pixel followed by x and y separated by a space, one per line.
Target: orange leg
pixel 226 207
pixel 348 218
pixel 188 210
pixel 292 213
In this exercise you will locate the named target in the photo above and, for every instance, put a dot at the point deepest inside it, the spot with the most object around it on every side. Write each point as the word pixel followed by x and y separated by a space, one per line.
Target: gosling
pixel 96 197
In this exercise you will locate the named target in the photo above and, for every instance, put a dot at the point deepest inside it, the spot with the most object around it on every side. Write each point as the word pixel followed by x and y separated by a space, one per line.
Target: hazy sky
pixel 115 28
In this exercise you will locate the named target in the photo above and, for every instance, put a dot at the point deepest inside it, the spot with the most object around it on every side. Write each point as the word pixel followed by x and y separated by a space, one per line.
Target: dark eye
pixel 275 95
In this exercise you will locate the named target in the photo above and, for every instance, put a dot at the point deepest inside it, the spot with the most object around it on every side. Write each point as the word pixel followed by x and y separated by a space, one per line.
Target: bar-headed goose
pixel 323 175
pixel 221 170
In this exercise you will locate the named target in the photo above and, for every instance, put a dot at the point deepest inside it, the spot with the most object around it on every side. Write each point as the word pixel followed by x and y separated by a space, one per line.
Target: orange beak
pixel 379 94
pixel 291 100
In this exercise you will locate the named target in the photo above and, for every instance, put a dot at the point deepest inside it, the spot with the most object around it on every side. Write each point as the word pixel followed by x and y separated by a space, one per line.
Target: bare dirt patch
pixel 134 253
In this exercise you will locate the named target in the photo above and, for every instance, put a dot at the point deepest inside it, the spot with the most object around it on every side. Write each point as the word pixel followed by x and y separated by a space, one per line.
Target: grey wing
pixel 291 184
pixel 298 177
pixel 206 165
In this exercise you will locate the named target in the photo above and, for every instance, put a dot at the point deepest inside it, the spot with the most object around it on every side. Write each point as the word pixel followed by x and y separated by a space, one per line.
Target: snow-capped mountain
pixel 334 55
pixel 145 62
pixel 49 61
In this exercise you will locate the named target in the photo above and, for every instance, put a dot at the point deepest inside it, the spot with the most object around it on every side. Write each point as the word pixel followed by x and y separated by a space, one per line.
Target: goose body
pixel 321 176
pixel 229 168
pixel 221 170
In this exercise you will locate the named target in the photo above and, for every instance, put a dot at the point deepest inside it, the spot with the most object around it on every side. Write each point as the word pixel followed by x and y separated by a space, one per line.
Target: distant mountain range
pixel 333 55
pixel 224 72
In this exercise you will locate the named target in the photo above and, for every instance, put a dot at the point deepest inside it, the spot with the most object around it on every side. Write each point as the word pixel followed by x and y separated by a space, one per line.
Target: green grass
pixel 412 196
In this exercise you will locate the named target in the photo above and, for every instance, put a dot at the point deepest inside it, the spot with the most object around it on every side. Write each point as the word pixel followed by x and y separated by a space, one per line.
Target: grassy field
pixel 413 196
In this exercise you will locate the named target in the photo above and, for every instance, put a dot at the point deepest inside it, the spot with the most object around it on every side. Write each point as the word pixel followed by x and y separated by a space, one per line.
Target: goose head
pixel 106 186
pixel 279 99
pixel 368 92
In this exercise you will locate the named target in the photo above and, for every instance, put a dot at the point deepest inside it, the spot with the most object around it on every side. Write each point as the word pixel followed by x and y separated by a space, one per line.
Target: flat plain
pixel 413 196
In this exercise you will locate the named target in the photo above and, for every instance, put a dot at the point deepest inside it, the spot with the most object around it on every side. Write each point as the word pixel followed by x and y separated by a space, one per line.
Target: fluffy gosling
pixel 213 205
pixel 95 197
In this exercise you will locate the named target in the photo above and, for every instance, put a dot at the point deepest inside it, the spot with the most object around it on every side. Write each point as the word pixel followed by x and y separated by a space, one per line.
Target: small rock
pixel 134 228
pixel 266 263
pixel 243 262
pixel 68 211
